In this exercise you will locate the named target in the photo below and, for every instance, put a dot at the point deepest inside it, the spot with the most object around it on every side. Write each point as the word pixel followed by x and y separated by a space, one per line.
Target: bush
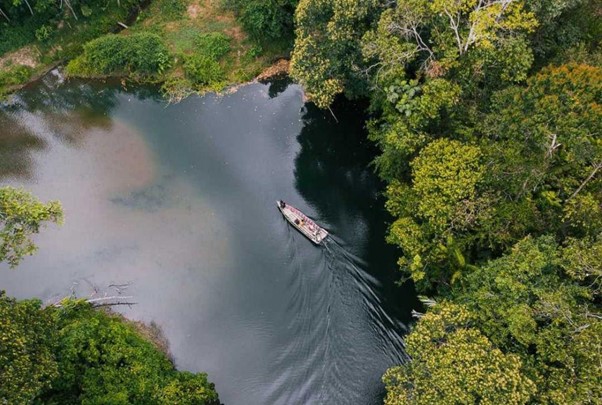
pixel 265 19
pixel 138 54
pixel 186 388
pixel 203 70
pixel 172 9
pixel 213 44
pixel 27 364
pixel 15 75
pixel 43 33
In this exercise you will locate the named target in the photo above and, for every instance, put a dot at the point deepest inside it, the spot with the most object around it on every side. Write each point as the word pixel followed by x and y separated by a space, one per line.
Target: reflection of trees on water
pixel 332 169
pixel 16 143
pixel 278 86
pixel 333 173
pixel 68 110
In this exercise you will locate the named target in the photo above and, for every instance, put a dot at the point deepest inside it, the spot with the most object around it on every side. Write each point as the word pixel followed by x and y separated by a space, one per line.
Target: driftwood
pixel 107 300
pixel 104 301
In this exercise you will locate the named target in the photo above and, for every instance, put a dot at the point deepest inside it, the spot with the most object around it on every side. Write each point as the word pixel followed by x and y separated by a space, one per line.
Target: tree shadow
pixel 333 172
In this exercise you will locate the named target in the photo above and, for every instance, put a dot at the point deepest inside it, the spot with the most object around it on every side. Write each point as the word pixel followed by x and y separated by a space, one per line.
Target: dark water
pixel 178 202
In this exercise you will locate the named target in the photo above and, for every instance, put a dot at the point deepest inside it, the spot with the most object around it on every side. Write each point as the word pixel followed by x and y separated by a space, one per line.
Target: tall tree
pixel 525 303
pixel 433 214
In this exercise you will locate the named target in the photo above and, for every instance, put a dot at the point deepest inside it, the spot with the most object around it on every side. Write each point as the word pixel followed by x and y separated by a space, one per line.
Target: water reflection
pixel 16 146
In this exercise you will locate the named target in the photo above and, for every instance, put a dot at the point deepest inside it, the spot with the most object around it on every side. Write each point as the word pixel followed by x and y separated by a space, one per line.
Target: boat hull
pixel 303 223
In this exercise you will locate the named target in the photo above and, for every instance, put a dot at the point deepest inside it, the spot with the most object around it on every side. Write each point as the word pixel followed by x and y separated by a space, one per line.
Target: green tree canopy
pixel 21 216
pixel 266 20
pixel 453 363
pixel 526 305
pixel 27 363
pixel 437 210
pixel 104 360
pixel 463 39
pixel 327 58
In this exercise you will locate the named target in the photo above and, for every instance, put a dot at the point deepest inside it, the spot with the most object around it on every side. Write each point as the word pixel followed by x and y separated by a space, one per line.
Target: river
pixel 174 205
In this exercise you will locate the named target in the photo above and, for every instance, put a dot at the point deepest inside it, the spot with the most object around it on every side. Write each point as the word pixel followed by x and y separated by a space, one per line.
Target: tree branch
pixel 587 180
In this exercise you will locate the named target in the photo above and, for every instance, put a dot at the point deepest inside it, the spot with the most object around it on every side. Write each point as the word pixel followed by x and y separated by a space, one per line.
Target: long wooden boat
pixel 302 223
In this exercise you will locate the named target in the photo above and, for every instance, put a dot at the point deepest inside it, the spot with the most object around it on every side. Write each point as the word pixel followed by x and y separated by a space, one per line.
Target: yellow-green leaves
pixel 526 305
pixel 21 216
pixel 439 32
pixel 327 56
pixel 27 364
pixel 445 174
pixel 442 200
pixel 453 363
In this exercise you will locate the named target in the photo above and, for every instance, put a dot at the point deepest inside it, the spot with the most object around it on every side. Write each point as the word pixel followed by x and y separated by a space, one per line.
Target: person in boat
pixel 296 221
pixel 282 204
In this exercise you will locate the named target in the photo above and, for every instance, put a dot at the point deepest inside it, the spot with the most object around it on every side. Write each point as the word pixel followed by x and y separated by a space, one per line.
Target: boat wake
pixel 340 330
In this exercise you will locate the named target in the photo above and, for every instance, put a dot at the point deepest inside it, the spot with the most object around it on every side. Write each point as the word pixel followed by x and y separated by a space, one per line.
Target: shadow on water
pixel 334 173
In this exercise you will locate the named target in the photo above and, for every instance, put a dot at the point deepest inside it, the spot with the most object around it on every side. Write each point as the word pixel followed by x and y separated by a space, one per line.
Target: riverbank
pixel 206 49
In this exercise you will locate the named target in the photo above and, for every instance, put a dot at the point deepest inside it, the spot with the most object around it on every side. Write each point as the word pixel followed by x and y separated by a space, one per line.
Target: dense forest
pixel 487 114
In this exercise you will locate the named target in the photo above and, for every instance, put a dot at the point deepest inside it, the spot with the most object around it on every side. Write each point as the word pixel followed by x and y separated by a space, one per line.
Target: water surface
pixel 178 203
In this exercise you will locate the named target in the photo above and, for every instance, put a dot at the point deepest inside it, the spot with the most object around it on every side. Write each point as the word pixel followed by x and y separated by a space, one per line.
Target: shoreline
pixel 278 69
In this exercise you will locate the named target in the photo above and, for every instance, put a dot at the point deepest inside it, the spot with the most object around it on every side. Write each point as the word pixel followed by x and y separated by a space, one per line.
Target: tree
pixel 327 58
pixel 103 360
pixel 453 363
pixel 412 115
pixel 21 216
pixel 446 58
pixel 437 210
pixel 536 170
pixel 545 150
pixel 186 388
pixel 27 363
pixel 525 303
pixel 479 45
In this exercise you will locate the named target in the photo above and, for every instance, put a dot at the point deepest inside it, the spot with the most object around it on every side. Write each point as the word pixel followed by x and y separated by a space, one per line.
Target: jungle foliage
pixel 23 22
pixel 72 353
pixel 488 116
pixel 76 354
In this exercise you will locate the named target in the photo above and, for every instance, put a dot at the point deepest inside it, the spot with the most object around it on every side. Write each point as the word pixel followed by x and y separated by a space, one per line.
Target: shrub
pixel 27 364
pixel 103 359
pixel 203 70
pixel 171 9
pixel 139 54
pixel 265 19
pixel 43 33
pixel 186 388
pixel 213 44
